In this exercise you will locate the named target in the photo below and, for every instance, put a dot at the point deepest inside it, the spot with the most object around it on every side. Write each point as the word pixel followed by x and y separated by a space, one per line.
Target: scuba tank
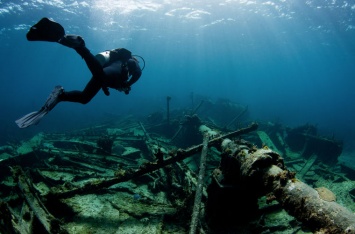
pixel 103 58
pixel 109 56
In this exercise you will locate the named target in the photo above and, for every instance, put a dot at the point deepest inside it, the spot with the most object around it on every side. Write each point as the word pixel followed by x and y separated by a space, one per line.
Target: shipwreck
pixel 183 171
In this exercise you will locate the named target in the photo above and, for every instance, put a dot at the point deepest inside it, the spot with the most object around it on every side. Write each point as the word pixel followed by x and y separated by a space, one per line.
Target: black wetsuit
pixel 114 75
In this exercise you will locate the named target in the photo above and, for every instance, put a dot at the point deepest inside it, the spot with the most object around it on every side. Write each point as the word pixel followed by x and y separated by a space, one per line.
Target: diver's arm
pixel 134 70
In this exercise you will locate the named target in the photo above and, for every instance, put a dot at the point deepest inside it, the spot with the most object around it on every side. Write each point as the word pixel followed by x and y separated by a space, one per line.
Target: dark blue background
pixel 289 61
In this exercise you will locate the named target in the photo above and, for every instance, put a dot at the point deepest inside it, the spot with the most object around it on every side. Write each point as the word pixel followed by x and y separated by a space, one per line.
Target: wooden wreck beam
pixel 263 169
pixel 49 222
pixel 125 175
pixel 7 224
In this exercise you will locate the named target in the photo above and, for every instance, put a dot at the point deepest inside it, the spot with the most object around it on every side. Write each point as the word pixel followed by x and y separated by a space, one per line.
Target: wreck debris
pixel 265 171
pixel 182 124
pixel 190 134
pixel 199 188
pixel 264 137
pixel 105 143
pixel 6 219
pixel 305 140
pixel 352 194
pixel 125 175
pixel 146 134
pixel 237 117
pixel 307 166
pixel 76 159
pixel 49 222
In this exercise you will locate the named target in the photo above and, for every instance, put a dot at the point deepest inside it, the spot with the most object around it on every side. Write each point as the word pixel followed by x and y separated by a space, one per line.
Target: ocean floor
pixel 142 175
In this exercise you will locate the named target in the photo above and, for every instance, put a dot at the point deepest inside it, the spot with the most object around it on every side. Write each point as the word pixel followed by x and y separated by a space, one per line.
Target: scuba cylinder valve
pixel 103 58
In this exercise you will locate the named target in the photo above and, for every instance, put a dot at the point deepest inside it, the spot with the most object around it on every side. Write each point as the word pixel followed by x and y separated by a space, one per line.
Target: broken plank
pixel 49 222
pixel 307 166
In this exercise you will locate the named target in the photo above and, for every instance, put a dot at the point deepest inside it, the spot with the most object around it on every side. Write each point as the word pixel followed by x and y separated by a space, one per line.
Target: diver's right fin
pixel 46 30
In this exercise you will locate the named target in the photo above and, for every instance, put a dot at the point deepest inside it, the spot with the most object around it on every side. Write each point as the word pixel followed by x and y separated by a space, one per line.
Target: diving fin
pixel 34 117
pixel 46 30
pixel 31 118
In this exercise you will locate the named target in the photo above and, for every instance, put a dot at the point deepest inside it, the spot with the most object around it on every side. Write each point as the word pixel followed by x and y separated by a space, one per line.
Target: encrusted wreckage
pixel 261 172
pixel 133 176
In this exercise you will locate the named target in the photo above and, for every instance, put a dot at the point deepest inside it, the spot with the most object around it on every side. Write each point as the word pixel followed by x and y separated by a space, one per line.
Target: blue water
pixel 289 61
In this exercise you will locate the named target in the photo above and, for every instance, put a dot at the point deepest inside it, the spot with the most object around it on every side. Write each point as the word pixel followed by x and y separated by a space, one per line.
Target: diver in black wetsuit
pixel 116 69
pixel 113 72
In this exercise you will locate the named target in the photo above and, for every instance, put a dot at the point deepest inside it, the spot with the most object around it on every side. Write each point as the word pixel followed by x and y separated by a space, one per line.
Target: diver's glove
pixel 124 88
pixel 127 90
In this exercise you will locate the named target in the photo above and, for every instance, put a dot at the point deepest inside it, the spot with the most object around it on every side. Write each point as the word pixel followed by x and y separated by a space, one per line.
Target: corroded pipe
pixel 264 169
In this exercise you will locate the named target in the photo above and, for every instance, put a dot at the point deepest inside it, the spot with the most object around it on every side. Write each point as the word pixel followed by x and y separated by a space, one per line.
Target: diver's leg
pixel 78 44
pixel 94 66
pixel 90 60
pixel 85 96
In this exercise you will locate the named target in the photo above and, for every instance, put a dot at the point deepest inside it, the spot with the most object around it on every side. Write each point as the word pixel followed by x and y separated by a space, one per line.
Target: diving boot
pixel 53 98
pixel 72 41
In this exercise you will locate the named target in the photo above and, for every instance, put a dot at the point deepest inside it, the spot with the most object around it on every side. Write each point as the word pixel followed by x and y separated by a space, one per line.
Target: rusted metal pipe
pixel 265 171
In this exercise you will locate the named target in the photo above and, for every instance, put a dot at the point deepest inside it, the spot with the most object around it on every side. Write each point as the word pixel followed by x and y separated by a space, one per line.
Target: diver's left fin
pixel 33 118
pixel 46 30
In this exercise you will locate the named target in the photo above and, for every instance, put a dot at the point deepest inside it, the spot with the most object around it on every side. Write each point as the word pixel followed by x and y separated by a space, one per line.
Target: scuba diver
pixel 116 69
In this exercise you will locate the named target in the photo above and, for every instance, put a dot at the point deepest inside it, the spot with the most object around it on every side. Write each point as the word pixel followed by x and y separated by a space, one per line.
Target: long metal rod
pixel 199 188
